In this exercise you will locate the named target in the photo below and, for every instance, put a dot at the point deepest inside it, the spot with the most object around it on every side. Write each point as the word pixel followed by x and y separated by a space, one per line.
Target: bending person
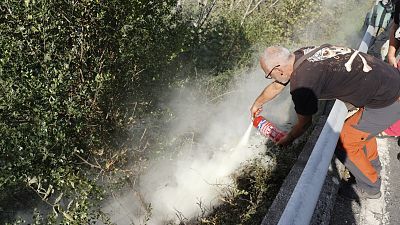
pixel 338 73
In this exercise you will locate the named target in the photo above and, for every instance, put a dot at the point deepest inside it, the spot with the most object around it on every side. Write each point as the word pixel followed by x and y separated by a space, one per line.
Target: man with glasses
pixel 332 72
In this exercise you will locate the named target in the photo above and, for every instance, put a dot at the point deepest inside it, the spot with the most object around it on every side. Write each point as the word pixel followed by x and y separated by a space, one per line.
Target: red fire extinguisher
pixel 268 129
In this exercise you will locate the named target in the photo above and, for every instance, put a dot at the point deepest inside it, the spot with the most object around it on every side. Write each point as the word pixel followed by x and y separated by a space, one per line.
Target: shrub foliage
pixel 76 76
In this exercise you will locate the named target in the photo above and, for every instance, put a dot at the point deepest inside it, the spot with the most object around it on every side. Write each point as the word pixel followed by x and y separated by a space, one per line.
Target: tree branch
pixel 248 11
pixel 254 8
pixel 90 164
pixel 204 18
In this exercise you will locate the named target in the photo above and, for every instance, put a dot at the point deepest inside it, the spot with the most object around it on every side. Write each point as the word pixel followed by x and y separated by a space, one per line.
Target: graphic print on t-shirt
pixel 326 53
pixel 334 52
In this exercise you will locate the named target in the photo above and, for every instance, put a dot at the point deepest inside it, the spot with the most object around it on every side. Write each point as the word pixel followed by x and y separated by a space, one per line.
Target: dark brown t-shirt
pixel 342 73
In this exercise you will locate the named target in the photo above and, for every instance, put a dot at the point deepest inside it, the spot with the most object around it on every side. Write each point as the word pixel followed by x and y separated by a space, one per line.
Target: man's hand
pixel 392 61
pixel 285 141
pixel 298 129
pixel 255 110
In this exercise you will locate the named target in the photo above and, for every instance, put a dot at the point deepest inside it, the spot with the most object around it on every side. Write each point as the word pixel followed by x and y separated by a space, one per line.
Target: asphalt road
pixel 382 211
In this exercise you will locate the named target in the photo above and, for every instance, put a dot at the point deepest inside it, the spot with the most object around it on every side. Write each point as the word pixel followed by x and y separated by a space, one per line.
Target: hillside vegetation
pixel 82 80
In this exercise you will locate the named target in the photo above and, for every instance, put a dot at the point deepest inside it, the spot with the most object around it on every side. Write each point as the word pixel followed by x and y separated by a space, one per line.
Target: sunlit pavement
pixel 382 211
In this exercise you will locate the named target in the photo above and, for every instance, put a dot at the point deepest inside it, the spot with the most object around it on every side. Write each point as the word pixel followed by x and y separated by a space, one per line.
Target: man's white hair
pixel 276 55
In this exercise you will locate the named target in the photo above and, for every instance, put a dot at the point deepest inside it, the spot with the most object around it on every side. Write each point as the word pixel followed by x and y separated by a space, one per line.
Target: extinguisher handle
pixel 255 114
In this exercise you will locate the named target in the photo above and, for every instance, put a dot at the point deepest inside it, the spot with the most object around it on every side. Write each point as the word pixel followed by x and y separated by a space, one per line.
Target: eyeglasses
pixel 268 76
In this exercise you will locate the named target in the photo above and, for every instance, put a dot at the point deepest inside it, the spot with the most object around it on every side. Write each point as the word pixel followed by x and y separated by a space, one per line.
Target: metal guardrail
pixel 303 200
pixel 301 205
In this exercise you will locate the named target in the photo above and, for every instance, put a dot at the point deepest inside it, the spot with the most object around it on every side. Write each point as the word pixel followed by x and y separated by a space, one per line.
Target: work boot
pixel 353 192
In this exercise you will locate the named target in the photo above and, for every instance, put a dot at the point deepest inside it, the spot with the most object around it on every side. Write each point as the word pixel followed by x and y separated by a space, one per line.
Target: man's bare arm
pixel 393 45
pixel 303 122
pixel 270 92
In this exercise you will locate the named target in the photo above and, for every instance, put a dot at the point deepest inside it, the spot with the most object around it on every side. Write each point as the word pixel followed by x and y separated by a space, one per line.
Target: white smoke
pixel 172 189
pixel 340 23
pixel 176 187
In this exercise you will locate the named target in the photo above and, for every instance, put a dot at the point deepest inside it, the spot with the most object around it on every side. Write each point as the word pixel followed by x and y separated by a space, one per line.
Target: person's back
pixel 345 74
pixel 348 75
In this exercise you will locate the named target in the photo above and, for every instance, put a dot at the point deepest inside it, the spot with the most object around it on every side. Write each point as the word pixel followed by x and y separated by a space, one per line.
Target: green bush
pixel 57 66
pixel 70 72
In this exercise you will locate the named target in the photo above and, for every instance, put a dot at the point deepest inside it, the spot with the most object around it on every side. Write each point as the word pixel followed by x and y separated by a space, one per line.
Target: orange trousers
pixel 358 152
